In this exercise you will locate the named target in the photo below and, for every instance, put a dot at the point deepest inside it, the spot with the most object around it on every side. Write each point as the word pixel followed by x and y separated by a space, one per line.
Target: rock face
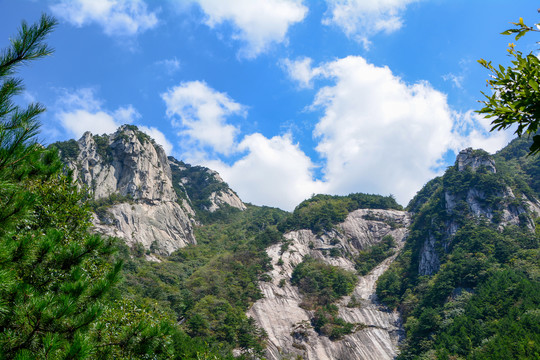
pixel 130 175
pixel 125 163
pixel 290 333
pixel 478 202
pixel 475 159
pixel 141 195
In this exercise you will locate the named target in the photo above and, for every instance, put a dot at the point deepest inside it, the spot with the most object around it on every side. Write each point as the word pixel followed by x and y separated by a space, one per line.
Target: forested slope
pixel 468 280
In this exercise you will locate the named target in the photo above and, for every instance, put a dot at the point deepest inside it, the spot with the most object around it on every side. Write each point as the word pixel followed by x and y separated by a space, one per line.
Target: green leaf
pixel 533 84
pixel 521 33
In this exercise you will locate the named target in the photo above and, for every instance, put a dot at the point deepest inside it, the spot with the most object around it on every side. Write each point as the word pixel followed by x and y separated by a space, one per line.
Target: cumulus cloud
pixel 377 134
pixel 381 135
pixel 274 172
pixel 200 112
pixel 361 19
pixel 80 111
pixel 475 130
pixel 257 23
pixel 301 71
pixel 116 17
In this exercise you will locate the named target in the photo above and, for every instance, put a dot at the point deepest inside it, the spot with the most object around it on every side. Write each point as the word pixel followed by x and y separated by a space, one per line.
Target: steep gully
pixel 290 334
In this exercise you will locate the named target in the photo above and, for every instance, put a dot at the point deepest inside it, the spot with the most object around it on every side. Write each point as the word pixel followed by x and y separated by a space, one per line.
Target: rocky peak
pixel 485 195
pixel 475 159
pixel 288 325
pixel 127 162
pixel 130 179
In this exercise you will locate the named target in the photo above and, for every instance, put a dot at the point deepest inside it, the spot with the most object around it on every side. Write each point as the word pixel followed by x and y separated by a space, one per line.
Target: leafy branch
pixel 515 98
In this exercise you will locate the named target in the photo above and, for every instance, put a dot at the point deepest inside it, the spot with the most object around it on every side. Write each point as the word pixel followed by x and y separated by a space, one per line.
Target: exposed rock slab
pixel 288 325
pixel 130 166
pixel 510 210
pixel 162 227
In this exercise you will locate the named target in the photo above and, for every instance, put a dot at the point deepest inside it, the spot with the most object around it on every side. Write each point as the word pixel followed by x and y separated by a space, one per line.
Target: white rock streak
pixel 288 325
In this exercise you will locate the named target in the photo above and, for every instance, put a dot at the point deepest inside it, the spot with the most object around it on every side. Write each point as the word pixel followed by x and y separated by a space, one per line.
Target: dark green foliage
pixel 483 301
pixel 68 149
pixel 321 212
pixel 367 259
pixel 327 322
pixel 321 285
pixel 189 285
pixel 56 280
pixel 515 97
pixel 326 283
pixel 424 195
pixel 141 136
pixel 522 170
pixel 103 148
pixel 200 185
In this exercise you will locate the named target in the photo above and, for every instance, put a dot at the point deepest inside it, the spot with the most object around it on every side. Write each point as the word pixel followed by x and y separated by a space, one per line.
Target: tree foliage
pixel 515 98
pixel 321 212
pixel 482 302
pixel 54 275
pixel 322 285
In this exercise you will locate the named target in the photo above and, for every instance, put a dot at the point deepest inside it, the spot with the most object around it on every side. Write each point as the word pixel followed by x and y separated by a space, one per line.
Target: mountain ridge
pixel 136 196
pixel 257 251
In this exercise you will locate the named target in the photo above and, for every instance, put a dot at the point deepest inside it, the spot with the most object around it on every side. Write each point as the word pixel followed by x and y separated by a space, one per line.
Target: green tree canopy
pixel 55 275
pixel 515 98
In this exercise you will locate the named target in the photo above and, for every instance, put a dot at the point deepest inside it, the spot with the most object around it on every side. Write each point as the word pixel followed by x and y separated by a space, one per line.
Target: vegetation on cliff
pixel 482 302
pixel 322 212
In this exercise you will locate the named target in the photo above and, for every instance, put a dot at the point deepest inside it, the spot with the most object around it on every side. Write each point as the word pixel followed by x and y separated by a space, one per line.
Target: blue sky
pixel 285 98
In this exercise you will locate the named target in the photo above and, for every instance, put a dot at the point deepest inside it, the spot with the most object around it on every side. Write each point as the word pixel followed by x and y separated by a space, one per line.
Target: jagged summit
pixel 139 194
pixel 475 159
pixel 473 190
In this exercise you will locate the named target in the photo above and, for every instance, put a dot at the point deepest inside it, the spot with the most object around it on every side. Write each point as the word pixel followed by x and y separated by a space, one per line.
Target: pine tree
pixel 55 275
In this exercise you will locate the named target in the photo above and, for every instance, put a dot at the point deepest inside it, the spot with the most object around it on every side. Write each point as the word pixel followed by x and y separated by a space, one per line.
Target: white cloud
pixel 200 112
pixel 79 111
pixel 275 172
pixel 77 122
pixel 169 65
pixel 301 71
pixel 381 135
pixel 116 17
pixel 476 133
pixel 456 80
pixel 360 19
pixel 377 135
pixel 126 115
pixel 257 23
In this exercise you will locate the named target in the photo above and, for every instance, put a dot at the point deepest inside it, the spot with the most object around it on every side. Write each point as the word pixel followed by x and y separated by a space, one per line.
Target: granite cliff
pixel 473 188
pixel 289 325
pixel 155 202
pixel 138 193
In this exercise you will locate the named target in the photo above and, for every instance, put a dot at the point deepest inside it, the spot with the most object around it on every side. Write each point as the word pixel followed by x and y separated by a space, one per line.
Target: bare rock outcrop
pixel 475 159
pixel 477 200
pixel 288 326
pixel 129 176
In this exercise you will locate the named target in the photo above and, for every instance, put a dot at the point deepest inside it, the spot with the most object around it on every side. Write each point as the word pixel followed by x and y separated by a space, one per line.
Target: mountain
pixel 467 281
pixel 454 275
pixel 356 325
pixel 140 195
